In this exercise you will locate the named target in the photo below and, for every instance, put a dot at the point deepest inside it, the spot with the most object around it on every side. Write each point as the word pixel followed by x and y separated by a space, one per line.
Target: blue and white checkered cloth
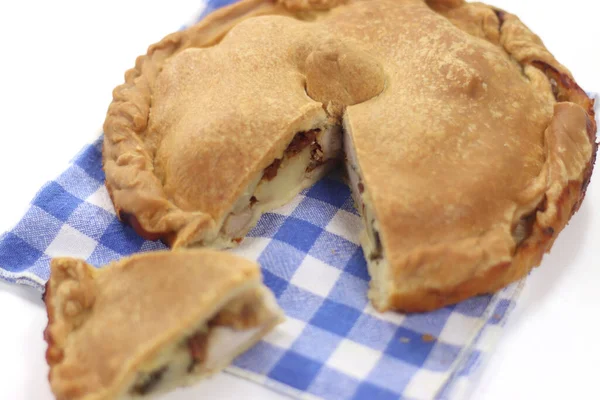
pixel 333 345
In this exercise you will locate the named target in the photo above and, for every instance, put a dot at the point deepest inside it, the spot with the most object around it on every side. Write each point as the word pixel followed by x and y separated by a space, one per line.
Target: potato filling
pixel 357 188
pixel 369 238
pixel 210 346
pixel 305 160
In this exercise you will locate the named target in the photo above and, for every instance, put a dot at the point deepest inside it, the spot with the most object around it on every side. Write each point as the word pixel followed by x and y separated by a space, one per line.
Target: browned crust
pixel 69 295
pixel 136 192
pixel 529 253
pixel 127 163
pixel 54 354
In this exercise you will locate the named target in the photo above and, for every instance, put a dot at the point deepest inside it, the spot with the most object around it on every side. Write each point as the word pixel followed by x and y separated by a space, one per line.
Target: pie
pixel 468 146
pixel 152 322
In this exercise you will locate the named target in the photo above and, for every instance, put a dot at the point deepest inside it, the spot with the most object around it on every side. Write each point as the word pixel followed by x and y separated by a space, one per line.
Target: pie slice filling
pixel 209 347
pixel 309 156
pixel 369 237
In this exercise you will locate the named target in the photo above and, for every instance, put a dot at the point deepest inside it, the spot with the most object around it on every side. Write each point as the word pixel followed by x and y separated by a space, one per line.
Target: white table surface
pixel 59 63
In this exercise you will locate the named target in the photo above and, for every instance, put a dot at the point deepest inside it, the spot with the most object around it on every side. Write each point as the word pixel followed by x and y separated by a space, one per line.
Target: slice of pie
pixel 468 146
pixel 151 322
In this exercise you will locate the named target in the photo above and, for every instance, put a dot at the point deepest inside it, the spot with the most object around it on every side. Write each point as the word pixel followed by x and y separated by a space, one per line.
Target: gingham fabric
pixel 333 345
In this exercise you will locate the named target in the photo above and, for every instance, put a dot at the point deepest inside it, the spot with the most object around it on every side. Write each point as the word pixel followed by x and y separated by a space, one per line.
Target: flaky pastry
pixel 149 323
pixel 468 146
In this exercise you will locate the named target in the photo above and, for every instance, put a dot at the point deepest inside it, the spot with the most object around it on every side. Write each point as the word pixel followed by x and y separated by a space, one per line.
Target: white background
pixel 59 62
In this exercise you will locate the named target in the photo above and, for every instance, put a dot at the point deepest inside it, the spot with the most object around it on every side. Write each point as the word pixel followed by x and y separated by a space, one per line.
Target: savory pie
pixel 467 145
pixel 152 322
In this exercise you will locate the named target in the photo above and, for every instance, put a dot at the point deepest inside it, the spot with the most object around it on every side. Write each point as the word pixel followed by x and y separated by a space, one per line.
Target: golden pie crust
pixel 474 145
pixel 105 324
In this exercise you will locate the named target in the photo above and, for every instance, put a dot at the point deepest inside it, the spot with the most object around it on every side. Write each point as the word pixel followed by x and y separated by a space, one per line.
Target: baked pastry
pixel 468 145
pixel 152 322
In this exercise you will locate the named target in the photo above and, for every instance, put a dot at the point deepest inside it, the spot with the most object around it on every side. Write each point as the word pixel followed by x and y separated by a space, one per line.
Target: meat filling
pixel 376 252
pixel 301 141
pixel 298 143
pixel 198 348
pixel 271 171
pixel 303 162
pixel 209 345
pixel 370 237
pixel 148 382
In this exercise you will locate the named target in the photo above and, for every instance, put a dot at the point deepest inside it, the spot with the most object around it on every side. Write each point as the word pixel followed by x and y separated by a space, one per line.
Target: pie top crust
pixel 475 145
pixel 104 324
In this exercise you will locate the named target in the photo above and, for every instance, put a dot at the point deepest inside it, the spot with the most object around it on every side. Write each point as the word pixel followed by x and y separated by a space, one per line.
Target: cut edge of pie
pixel 107 338
pixel 534 230
pixel 566 174
pixel 309 156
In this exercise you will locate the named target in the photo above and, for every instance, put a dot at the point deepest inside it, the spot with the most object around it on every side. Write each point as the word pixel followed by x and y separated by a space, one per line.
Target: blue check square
pixel 16 254
pixel 409 346
pixel 56 201
pixel 357 265
pixel 367 391
pixel 121 238
pixel 295 370
pixel 298 233
pixel 335 317
pixel 331 191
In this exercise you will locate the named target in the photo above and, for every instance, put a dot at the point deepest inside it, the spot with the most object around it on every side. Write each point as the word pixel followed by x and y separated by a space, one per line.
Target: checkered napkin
pixel 333 345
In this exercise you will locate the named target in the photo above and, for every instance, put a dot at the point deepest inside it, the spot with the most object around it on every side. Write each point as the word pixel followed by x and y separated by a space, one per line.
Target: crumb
pixel 405 340
pixel 332 251
pixel 497 317
pixel 427 338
